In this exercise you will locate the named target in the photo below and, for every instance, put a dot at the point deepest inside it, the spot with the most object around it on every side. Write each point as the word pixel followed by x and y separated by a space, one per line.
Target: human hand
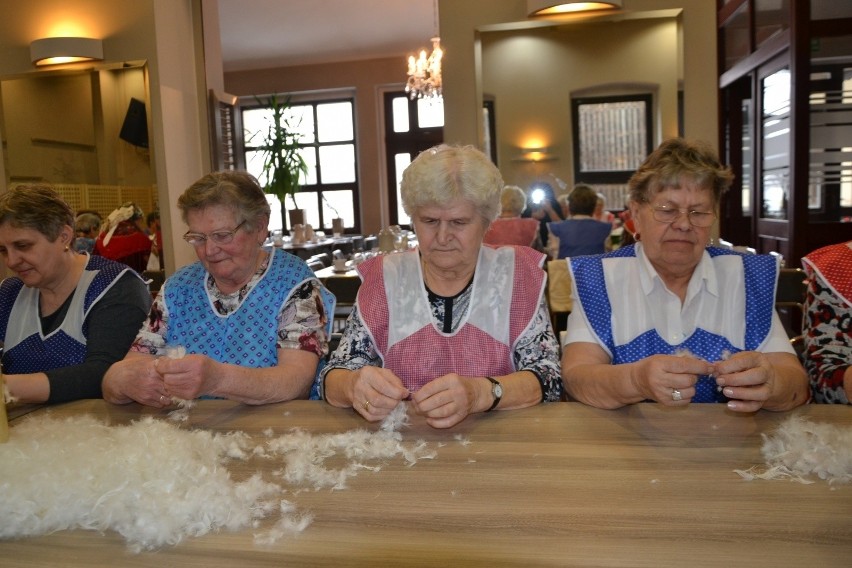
pixel 662 377
pixel 747 379
pixel 135 378
pixel 188 377
pixel 447 400
pixel 375 392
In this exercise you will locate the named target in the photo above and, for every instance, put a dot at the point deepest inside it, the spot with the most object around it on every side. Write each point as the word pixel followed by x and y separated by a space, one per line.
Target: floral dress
pixel 828 341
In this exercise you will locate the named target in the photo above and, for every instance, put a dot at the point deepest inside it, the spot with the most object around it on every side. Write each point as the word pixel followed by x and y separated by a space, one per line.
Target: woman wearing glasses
pixel 254 323
pixel 676 321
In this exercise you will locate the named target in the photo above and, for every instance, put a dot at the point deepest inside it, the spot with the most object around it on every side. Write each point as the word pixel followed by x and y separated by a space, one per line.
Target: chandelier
pixel 424 73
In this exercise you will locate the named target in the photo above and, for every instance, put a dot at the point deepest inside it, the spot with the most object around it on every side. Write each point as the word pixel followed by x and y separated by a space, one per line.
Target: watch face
pixel 497 390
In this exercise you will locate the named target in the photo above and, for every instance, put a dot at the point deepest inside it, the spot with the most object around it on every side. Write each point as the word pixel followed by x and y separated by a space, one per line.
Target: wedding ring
pixel 367 406
pixel 676 395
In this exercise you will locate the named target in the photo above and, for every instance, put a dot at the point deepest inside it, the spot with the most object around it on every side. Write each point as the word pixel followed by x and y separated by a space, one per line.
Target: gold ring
pixel 367 406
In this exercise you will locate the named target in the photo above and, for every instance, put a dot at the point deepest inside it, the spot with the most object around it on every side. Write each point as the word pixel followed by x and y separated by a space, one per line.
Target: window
pixel 612 137
pixel 327 140
pixel 411 126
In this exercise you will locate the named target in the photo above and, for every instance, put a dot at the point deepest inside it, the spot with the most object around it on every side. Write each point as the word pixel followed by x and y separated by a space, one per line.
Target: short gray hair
pixel 676 160
pixel 444 173
pixel 513 199
pixel 234 189
pixel 36 206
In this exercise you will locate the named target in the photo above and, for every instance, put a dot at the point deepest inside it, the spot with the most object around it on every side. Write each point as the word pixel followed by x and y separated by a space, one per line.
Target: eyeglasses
pixel 667 214
pixel 218 237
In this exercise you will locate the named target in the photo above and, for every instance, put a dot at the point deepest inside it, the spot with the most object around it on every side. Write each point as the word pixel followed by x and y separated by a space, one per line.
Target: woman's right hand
pixel 135 378
pixel 658 377
pixel 374 392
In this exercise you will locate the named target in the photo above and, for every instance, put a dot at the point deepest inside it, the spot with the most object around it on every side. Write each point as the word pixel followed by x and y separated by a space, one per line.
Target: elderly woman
pixel 123 238
pixel 254 323
pixel 510 228
pixel 457 326
pixel 828 323
pixel 671 320
pixel 64 317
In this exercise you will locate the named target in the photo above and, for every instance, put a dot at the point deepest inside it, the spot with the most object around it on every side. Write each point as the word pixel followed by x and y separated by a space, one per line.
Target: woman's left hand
pixel 747 379
pixel 447 400
pixel 188 377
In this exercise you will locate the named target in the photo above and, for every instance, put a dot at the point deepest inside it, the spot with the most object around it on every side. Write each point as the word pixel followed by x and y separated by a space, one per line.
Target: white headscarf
pixel 121 214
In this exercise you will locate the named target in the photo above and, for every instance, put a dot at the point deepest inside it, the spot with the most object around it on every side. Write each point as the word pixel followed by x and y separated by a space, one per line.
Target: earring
pixel 67 248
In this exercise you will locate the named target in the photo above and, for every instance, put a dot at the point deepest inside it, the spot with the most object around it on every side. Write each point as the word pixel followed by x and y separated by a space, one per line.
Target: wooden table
pixel 559 484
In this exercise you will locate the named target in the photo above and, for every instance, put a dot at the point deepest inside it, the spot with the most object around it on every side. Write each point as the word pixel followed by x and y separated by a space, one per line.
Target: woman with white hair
pixel 456 326
pixel 510 228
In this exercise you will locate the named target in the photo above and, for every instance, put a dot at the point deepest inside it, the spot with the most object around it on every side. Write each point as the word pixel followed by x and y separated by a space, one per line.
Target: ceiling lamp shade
pixel 56 50
pixel 551 7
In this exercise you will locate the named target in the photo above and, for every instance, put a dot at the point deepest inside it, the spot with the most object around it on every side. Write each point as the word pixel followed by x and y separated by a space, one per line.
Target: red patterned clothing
pixel 128 245
pixel 828 321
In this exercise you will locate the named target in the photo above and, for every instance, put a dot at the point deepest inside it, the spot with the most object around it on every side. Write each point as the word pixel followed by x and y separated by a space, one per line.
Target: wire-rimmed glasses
pixel 218 237
pixel 669 214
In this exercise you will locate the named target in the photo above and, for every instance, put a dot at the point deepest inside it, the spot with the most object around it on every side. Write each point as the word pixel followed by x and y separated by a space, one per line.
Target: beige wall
pixel 162 32
pixel 533 74
pixel 475 34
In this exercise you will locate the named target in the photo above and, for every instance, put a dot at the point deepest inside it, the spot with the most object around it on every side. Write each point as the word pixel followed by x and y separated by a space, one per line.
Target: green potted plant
pixel 283 164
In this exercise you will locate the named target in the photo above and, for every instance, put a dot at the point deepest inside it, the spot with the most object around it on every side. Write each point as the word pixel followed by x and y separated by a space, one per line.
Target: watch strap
pixel 494 392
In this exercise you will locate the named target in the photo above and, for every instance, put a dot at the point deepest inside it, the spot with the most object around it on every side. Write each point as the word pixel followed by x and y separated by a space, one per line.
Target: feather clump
pixel 800 449
pixel 150 481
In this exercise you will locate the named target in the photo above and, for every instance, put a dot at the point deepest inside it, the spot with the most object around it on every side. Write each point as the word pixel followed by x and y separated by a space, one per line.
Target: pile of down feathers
pixel 156 483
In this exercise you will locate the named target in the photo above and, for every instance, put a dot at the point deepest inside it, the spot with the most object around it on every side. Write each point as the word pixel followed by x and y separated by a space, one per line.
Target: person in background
pixel 155 233
pixel 670 319
pixel 123 238
pixel 86 227
pixel 600 213
pixel 255 323
pixel 64 317
pixel 544 207
pixel 510 228
pixel 580 233
pixel 457 326
pixel 828 323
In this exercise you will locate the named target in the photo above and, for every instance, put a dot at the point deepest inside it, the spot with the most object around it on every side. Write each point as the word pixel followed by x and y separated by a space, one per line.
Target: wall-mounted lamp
pixel 552 7
pixel 56 50
pixel 535 155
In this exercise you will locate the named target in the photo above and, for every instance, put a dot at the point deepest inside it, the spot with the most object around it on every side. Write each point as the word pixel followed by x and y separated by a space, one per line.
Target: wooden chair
pixel 790 303
pixel 558 294
pixel 345 289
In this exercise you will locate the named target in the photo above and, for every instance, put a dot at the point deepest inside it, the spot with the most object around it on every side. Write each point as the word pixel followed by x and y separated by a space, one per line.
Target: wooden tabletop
pixel 559 484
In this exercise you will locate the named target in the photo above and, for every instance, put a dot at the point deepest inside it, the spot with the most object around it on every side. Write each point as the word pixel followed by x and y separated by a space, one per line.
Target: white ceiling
pixel 258 34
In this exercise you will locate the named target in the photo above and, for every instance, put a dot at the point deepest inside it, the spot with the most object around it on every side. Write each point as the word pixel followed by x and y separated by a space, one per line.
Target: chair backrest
pixel 558 293
pixel 790 300
pixel 792 287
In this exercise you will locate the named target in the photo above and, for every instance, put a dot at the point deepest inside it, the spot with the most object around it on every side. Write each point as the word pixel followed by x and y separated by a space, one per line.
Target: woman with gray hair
pixel 671 319
pixel 457 326
pixel 64 317
pixel 254 324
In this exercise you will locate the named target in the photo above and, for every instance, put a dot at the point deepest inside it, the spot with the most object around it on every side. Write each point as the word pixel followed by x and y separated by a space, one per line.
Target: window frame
pixel 318 188
pixel 610 176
